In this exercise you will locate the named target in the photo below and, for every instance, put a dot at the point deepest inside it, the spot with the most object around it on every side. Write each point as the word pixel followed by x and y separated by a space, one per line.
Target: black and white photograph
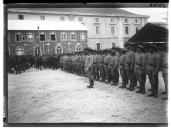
pixel 87 65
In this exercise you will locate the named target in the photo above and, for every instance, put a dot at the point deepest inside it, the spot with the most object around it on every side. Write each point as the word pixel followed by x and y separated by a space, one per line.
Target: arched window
pixel 58 50
pixel 78 48
pixel 19 51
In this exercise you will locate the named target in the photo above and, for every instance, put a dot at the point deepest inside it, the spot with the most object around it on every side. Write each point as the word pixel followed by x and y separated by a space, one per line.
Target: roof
pixel 150 33
pixel 79 11
pixel 44 25
pixel 161 24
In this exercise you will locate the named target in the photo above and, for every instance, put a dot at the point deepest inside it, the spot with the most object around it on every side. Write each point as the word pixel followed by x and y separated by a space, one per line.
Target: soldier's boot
pixel 91 84
pixel 156 91
pixel 140 89
pixel 152 91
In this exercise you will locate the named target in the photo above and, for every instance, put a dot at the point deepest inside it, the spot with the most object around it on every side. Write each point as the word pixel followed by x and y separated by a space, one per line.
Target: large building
pixel 26 37
pixel 107 27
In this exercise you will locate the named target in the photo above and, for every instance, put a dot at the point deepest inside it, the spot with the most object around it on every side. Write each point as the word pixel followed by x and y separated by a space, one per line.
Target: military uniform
pixel 122 67
pixel 130 62
pixel 153 69
pixel 140 71
pixel 101 67
pixel 95 67
pixel 164 70
pixel 89 69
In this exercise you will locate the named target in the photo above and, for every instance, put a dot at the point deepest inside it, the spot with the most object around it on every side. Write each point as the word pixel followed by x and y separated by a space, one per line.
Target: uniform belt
pixel 94 63
pixel 138 64
pixel 152 65
pixel 111 65
pixel 105 64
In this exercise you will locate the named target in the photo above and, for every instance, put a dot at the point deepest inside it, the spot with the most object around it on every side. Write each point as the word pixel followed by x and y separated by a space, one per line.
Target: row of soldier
pixel 133 64
pixel 19 64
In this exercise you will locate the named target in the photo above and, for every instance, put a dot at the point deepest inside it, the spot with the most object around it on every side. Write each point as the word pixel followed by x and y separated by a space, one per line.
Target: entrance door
pixel 36 51
pixel 19 51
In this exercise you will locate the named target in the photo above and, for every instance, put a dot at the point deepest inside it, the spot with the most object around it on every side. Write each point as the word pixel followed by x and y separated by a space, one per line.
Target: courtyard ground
pixel 53 96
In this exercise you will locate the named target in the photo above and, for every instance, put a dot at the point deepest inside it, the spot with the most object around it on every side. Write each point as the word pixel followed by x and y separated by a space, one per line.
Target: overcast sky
pixel 156 14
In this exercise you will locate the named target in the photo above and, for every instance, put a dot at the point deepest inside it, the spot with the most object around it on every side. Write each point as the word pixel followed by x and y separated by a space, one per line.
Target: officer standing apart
pixel 89 68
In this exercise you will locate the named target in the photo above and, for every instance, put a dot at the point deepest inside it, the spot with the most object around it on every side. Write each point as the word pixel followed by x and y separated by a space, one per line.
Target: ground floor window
pixel 78 48
pixel 36 51
pixel 58 50
pixel 19 51
pixel 98 46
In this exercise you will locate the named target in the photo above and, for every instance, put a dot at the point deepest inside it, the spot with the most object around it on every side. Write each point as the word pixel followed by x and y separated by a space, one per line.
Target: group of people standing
pixel 19 64
pixel 134 64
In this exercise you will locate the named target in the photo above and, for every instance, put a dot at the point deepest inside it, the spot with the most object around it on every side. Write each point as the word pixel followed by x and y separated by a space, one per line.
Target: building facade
pixel 42 38
pixel 107 27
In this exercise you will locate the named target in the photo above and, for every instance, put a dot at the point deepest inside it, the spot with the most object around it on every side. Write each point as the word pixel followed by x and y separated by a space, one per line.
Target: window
pixel 126 20
pixel 112 20
pixel 42 17
pixel 80 19
pixel 126 30
pixel 63 36
pixel 78 48
pixel 98 46
pixel 42 37
pixel 58 50
pixel 73 36
pixel 29 37
pixel 136 29
pixel 112 30
pixel 18 37
pixel 52 37
pixel 136 20
pixel 97 29
pixel 82 36
pixel 113 44
pixel 19 51
pixel 21 17
pixel 96 19
pixel 62 18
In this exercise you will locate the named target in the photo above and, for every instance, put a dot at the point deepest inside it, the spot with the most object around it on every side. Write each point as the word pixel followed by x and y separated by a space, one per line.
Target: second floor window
pixel 126 20
pixel 18 37
pixel 80 19
pixel 136 20
pixel 29 37
pixel 62 18
pixel 112 30
pixel 42 37
pixel 42 17
pixel 82 36
pixel 52 37
pixel 96 19
pixel 126 30
pixel 97 30
pixel 21 17
pixel 73 36
pixel 112 20
pixel 63 36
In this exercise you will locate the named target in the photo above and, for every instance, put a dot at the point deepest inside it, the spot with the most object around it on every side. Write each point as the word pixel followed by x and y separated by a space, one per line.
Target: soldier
pixel 109 74
pixel 165 74
pixel 130 62
pixel 95 67
pixel 122 67
pixel 140 69
pixel 153 70
pixel 101 66
pixel 89 69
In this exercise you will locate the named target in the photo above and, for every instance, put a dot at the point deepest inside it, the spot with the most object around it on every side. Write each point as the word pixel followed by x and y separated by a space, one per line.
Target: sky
pixel 156 14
